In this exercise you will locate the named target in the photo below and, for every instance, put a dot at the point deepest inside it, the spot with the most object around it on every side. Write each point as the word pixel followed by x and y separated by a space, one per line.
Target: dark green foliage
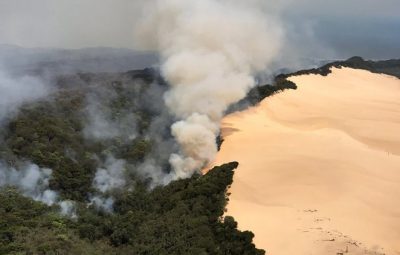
pixel 28 227
pixel 185 217
pixel 148 75
pixel 51 133
pixel 219 141
pixel 16 212
pixel 257 94
pixel 33 228
pixel 135 151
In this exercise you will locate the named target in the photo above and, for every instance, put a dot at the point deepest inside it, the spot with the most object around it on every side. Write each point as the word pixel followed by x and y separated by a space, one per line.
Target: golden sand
pixel 319 166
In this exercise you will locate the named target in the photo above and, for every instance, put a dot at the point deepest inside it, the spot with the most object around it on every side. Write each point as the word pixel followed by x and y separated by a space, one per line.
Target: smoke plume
pixel 15 91
pixel 100 125
pixel 112 176
pixel 210 50
pixel 31 180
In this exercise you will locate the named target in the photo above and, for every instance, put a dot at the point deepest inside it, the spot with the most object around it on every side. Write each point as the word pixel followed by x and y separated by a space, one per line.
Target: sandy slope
pixel 320 167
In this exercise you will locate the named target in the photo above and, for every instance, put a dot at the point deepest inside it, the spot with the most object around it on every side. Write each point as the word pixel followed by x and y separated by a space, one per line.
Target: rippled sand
pixel 319 166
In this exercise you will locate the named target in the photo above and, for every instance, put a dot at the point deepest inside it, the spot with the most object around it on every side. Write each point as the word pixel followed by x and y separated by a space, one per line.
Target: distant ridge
pixel 39 61
pixel 390 67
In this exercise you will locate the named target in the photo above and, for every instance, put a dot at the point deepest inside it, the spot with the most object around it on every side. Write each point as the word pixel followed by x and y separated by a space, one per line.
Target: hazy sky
pixel 68 23
pixel 370 28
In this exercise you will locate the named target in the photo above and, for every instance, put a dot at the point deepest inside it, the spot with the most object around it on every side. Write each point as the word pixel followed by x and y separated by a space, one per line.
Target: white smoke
pixel 31 180
pixel 68 209
pixel 15 91
pixel 210 51
pixel 100 124
pixel 150 168
pixel 112 176
pixel 103 203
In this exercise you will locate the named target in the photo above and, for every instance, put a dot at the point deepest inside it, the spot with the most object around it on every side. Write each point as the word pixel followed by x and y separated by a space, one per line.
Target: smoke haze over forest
pixel 337 29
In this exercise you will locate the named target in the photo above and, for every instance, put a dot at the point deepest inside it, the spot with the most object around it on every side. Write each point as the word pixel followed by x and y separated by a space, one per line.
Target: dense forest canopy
pixel 185 217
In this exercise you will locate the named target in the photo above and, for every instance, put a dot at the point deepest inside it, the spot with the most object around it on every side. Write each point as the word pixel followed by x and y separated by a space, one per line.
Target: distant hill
pixel 63 61
pixel 390 67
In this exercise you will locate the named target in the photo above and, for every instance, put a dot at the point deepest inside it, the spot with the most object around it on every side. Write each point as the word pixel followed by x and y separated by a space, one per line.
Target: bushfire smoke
pixel 210 50
pixel 33 181
pixel 15 91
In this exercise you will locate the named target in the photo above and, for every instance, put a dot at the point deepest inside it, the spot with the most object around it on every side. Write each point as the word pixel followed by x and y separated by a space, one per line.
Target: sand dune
pixel 320 166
